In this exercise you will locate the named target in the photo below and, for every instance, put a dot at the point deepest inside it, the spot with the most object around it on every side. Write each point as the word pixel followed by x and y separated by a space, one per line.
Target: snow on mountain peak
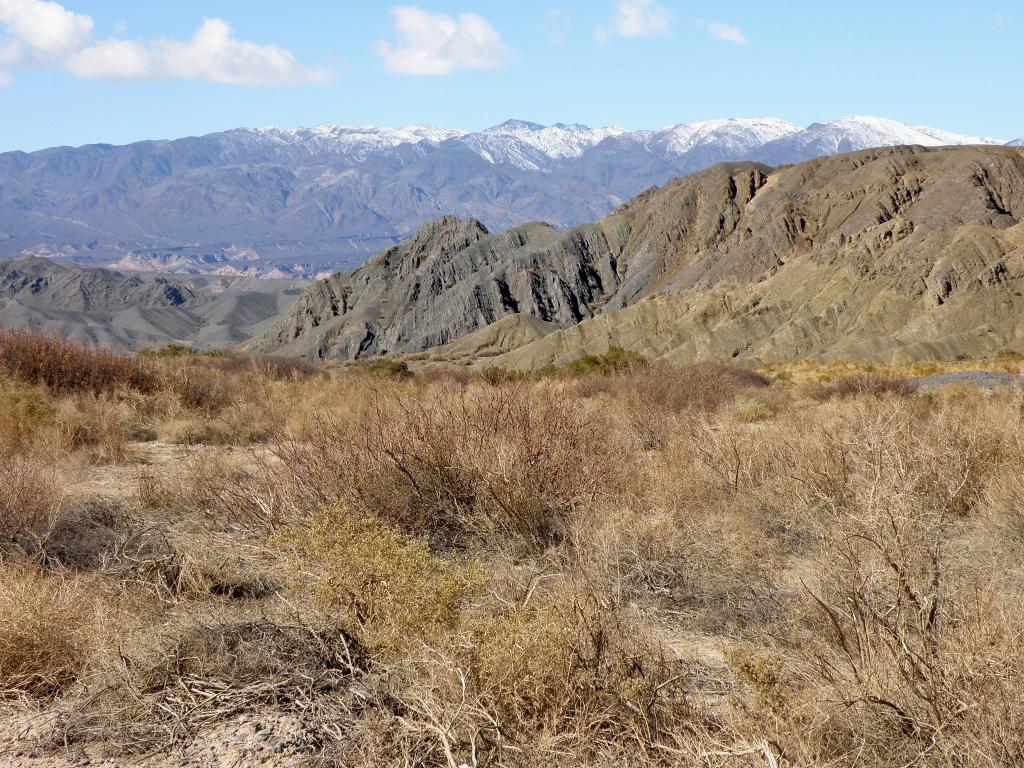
pixel 735 134
pixel 357 139
pixel 532 146
pixel 863 131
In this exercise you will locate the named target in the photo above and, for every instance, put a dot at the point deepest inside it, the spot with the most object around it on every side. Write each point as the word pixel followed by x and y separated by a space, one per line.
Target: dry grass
pixel 629 565
pixel 51 626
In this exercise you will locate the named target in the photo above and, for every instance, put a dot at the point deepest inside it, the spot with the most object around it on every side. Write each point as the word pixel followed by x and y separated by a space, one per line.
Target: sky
pixel 114 71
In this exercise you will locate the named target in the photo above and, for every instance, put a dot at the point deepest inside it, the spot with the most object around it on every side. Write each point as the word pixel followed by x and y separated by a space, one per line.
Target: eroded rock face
pixel 452 278
pixel 839 255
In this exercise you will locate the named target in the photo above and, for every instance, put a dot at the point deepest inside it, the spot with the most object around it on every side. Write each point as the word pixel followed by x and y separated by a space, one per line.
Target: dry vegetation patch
pixel 613 564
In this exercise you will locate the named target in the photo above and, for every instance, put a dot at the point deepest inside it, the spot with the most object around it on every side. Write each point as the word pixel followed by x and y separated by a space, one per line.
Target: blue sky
pixel 115 71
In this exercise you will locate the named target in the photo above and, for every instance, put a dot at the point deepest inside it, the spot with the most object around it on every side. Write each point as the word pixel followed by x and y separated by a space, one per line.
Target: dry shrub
pixel 184 678
pixel 511 464
pixel 901 648
pixel 205 405
pixel 868 383
pixel 101 425
pixel 268 367
pixel 567 664
pixel 51 626
pixel 563 670
pixel 651 398
pixel 197 386
pixel 30 503
pixel 1004 505
pixel 554 664
pixel 188 430
pixel 257 416
pixel 251 652
pixel 387 588
pixel 696 387
pixel 67 366
pixel 445 375
pixel 24 415
pixel 247 490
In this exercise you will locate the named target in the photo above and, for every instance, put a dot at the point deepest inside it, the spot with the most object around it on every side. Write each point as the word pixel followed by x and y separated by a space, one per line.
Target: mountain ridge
pixel 899 253
pixel 309 200
pixel 132 311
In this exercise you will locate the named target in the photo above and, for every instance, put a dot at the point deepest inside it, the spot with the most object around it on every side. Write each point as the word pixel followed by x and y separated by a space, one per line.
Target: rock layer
pixel 902 252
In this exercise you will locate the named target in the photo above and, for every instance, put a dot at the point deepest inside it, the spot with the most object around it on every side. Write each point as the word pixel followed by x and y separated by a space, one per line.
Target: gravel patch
pixel 984 380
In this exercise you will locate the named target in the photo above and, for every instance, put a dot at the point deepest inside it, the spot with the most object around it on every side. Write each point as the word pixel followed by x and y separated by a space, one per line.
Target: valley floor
pixel 221 562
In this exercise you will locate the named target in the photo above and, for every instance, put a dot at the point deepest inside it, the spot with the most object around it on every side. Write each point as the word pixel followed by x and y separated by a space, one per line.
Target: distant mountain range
pixel 298 202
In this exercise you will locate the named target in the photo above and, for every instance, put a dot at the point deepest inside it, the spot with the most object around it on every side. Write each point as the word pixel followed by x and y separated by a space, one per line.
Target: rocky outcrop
pixel 895 255
pixel 904 252
pixel 447 281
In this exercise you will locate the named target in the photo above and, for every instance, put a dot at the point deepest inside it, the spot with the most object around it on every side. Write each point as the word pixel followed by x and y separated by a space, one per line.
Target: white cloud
pixel 45 27
pixel 555 26
pixel 636 18
pixel 43 34
pixel 727 33
pixel 439 44
pixel 113 60
pixel 6 81
pixel 215 54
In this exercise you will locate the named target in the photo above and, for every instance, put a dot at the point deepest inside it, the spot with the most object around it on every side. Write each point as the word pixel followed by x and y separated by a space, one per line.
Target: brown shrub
pixel 266 366
pixel 510 464
pixel 896 635
pixel 51 625
pixel 67 366
pixel 568 663
pixel 30 503
pixel 864 383
pixel 24 415
pixel 101 424
pixel 198 386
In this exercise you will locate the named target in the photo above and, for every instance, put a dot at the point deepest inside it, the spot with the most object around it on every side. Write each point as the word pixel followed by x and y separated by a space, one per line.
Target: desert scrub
pixel 30 504
pixel 503 466
pixel 24 415
pixel 569 661
pixel 67 366
pixel 385 587
pixel 51 626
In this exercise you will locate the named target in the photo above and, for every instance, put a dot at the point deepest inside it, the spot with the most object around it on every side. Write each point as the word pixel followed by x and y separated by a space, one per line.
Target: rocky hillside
pixel 44 282
pixel 132 311
pixel 901 253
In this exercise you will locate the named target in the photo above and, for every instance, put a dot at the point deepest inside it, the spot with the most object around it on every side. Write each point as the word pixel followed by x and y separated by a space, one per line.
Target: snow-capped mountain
pixel 849 134
pixel 534 147
pixel 733 135
pixel 308 199
pixel 1016 143
pixel 355 139
pixel 531 146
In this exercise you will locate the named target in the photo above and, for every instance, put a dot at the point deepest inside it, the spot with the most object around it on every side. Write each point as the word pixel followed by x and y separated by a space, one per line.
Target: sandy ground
pixel 274 740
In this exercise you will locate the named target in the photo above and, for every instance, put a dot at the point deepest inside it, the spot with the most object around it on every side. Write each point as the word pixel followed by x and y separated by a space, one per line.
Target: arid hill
pixel 896 254
pixel 132 311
